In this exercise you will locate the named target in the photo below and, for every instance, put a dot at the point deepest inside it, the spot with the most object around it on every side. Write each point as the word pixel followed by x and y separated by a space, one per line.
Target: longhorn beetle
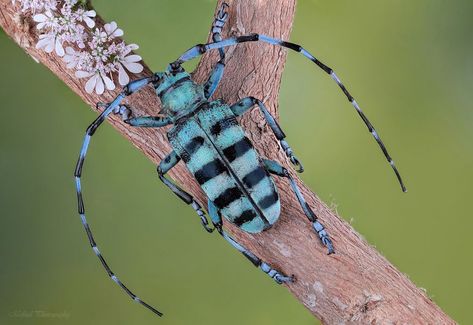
pixel 208 139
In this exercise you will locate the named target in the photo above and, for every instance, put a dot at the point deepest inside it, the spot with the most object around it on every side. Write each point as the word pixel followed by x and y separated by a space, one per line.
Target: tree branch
pixel 357 284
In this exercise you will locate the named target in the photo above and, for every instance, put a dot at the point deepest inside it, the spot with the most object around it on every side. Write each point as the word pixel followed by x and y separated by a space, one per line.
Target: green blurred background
pixel 408 63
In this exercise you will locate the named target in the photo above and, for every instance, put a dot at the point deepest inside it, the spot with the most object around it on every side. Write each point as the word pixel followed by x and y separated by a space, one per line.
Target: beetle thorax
pixel 179 94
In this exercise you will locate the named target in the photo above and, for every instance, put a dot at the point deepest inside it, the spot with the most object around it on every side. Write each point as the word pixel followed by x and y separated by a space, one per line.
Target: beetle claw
pixel 125 112
pixel 209 229
pixel 205 224
pixel 296 163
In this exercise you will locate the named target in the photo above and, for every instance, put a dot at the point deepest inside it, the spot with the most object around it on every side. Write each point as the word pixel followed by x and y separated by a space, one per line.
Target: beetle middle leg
pixel 265 267
pixel 245 104
pixel 275 168
pixel 164 166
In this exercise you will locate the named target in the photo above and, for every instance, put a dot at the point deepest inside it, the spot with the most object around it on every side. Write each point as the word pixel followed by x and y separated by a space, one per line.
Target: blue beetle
pixel 206 136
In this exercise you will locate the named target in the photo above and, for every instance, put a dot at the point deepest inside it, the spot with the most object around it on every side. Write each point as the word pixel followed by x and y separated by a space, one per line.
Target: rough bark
pixel 357 284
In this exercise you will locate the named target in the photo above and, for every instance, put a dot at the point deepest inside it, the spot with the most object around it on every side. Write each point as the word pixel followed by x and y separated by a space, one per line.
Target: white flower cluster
pixel 37 5
pixel 95 54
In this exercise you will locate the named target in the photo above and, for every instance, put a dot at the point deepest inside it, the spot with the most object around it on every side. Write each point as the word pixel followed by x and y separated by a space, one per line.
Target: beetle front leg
pixel 130 88
pixel 149 121
pixel 275 168
pixel 167 164
pixel 245 104
pixel 265 267
pixel 142 121
pixel 123 110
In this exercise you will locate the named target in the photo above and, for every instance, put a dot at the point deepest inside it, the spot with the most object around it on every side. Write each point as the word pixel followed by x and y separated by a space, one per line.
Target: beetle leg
pixel 265 267
pixel 217 72
pixel 123 110
pixel 245 104
pixel 275 168
pixel 149 121
pixel 142 121
pixel 164 166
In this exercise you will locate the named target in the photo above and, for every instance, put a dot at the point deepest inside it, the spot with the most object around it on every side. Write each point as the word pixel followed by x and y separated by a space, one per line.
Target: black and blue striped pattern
pixel 227 167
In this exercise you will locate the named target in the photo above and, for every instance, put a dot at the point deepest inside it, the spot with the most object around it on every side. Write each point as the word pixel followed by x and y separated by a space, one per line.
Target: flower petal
pixel 83 74
pixel 89 22
pixel 70 51
pixel 99 87
pixel 132 58
pixel 49 47
pixel 59 48
pixel 90 13
pixel 113 30
pixel 40 18
pixel 123 78
pixel 133 67
pixel 71 60
pixel 133 46
pixel 108 83
pixel 118 32
pixel 90 84
pixel 110 27
pixel 42 42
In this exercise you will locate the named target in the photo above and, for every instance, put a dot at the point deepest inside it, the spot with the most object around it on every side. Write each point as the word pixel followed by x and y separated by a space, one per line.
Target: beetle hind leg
pixel 275 168
pixel 265 267
pixel 246 104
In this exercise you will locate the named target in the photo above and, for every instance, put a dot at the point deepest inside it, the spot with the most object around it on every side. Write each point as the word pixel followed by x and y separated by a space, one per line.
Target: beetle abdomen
pixel 227 167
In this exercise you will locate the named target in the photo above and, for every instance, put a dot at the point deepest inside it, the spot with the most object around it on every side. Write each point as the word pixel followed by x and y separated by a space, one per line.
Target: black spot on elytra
pixel 216 128
pixel 227 197
pixel 194 144
pixel 254 177
pixel 209 171
pixel 268 200
pixel 246 216
pixel 237 149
